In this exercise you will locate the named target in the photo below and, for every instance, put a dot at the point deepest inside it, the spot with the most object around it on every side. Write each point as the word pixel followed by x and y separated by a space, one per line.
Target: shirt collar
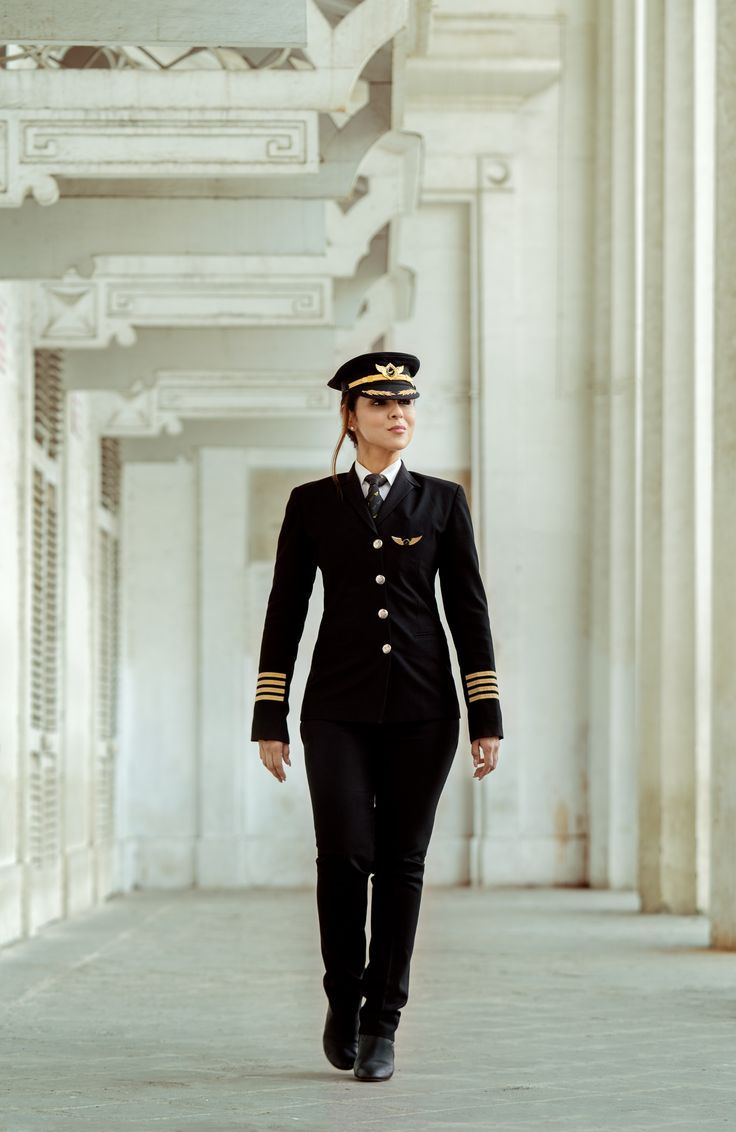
pixel 390 472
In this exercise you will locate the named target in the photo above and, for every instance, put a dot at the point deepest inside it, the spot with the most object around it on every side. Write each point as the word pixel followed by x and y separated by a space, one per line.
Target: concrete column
pixel 723 800
pixel 612 745
pixel 704 29
pixel 498 821
pixel 16 368
pixel 667 643
pixel 79 662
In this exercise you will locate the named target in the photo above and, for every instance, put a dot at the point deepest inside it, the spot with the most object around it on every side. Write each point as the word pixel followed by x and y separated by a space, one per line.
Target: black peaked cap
pixel 383 374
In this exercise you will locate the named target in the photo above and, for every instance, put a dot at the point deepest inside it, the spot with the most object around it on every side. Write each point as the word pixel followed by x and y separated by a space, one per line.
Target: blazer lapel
pixel 354 494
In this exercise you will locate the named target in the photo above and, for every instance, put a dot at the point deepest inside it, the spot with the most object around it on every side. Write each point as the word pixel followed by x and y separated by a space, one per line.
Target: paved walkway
pixel 529 1009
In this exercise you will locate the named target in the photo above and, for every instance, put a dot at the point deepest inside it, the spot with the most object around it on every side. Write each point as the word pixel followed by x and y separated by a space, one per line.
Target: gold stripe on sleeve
pixel 484 672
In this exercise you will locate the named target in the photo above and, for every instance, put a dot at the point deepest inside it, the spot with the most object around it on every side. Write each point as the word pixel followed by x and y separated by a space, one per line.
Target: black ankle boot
pixel 375 1058
pixel 340 1039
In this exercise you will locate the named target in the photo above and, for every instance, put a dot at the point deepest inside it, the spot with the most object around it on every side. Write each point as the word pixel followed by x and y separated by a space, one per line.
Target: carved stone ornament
pixel 37 146
pixel 93 312
pixel 176 397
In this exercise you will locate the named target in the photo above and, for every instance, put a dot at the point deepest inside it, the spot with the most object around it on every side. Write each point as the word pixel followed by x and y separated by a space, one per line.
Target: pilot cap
pixel 385 374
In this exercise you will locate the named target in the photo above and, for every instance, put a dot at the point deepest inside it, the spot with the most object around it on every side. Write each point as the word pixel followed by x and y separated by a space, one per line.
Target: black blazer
pixel 381 653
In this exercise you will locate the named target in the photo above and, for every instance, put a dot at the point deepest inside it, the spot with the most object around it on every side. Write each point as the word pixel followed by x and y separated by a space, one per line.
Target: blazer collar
pixel 352 491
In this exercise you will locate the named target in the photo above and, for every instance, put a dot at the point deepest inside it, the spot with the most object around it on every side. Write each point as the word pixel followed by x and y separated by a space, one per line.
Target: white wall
pixel 157 789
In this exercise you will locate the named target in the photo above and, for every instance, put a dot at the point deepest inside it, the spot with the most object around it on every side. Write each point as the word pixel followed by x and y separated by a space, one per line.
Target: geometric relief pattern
pixel 71 312
pixel 37 146
pixel 91 313
pixel 175 397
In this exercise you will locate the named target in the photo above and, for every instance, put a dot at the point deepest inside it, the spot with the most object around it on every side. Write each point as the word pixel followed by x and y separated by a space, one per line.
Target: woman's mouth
pixel 398 428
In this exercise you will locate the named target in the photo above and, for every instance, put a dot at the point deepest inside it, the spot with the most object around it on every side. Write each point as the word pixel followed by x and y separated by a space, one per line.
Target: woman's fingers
pixel 485 755
pixel 272 753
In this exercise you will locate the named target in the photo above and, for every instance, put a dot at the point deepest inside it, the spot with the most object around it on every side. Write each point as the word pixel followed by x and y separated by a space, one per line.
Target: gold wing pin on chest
pixel 406 541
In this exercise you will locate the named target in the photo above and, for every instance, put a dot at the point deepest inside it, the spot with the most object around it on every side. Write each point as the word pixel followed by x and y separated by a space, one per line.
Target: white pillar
pixel 80 594
pixel 15 380
pixel 498 821
pixel 613 746
pixel 723 855
pixel 704 29
pixel 667 640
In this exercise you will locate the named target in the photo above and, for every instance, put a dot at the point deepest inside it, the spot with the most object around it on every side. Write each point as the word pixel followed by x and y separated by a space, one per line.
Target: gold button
pixel 383 613
pixel 387 648
pixel 380 579
pixel 378 543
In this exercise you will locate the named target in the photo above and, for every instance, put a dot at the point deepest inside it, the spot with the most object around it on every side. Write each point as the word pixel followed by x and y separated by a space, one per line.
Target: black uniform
pixel 381 654
pixel 380 713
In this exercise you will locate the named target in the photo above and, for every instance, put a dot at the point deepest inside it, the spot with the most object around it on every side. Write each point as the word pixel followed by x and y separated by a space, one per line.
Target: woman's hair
pixel 347 404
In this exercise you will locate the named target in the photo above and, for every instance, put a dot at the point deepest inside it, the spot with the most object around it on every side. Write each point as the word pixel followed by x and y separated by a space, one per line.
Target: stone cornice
pixel 338 55
pixel 39 146
pixel 158 21
pixel 477 58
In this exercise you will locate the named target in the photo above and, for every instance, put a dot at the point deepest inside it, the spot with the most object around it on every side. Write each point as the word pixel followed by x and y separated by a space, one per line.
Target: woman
pixel 380 713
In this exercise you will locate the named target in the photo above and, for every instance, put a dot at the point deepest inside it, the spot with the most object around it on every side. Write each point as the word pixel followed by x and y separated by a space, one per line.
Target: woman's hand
pixel 485 754
pixel 273 754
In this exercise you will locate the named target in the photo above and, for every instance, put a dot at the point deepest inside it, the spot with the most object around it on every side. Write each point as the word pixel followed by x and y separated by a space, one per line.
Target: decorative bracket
pixel 90 313
pixel 38 146
pixel 179 396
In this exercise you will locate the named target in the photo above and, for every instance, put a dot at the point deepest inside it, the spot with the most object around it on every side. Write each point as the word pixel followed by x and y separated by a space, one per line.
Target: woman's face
pixel 382 422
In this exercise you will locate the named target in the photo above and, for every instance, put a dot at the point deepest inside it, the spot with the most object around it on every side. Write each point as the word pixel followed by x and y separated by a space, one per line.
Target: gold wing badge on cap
pixel 406 541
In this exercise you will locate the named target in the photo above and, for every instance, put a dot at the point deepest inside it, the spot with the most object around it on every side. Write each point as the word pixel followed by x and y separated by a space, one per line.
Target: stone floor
pixel 529 1009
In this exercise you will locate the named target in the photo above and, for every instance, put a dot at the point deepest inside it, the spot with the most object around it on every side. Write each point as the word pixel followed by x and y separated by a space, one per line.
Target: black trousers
pixel 374 789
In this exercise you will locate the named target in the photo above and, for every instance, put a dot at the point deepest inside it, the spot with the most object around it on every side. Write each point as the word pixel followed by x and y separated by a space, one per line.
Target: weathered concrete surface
pixel 529 1009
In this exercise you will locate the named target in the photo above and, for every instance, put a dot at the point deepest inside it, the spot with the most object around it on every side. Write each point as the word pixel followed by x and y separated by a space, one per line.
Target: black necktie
pixel 373 498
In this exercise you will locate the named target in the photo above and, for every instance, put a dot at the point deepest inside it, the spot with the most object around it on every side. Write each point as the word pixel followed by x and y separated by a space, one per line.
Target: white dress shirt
pixel 390 473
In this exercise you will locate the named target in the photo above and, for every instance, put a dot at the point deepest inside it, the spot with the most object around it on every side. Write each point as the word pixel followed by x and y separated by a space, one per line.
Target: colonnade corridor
pixel 529 1009
pixel 204 212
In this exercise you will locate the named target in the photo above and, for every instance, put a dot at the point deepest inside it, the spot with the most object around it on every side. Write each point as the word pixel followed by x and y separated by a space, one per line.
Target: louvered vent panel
pixel 35 799
pixel 47 401
pixel 51 627
pixel 104 728
pixel 37 611
pixel 110 473
pixel 108 587
pixel 114 636
pixel 104 800
pixel 44 811
pixel 43 829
